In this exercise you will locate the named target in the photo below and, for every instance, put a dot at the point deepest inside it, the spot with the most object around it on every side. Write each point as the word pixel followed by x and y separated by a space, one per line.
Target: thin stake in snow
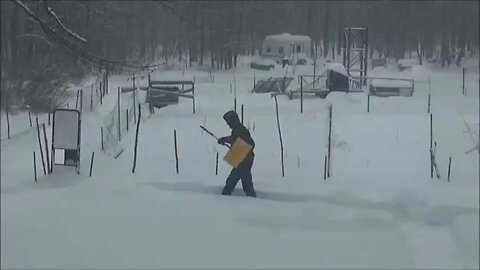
pixel 118 112
pixel 463 82
pixel 301 95
pixel 176 150
pixel 254 81
pixel 40 145
pixel 435 166
pixel 101 137
pixel 330 109
pixel 193 99
pixel 235 104
pixel 136 139
pixel 368 103
pixel 449 166
pixel 30 119
pixel 429 98
pixel 81 100
pixel 49 118
pixel 101 95
pixel 91 164
pixel 280 136
pixel 216 165
pixel 35 166
pixel 46 148
pixel 127 118
pixel 8 125
pixel 325 168
pixel 230 88
pixel 242 113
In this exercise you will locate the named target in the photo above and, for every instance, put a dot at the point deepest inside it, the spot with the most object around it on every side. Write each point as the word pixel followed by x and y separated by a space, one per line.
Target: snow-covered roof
pixel 288 37
pixel 337 68
pixel 386 83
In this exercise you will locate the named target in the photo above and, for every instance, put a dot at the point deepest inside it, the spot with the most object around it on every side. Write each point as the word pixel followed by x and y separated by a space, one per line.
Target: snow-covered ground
pixel 379 209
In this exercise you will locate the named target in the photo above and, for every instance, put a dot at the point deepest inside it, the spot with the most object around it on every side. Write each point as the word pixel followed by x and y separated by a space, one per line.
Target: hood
pixel 231 117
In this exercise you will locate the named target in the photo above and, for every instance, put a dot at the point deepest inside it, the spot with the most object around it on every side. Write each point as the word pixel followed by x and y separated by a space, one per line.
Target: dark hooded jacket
pixel 238 130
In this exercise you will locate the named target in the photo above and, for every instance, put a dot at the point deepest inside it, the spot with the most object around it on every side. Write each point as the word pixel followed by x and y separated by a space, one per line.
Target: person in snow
pixel 243 171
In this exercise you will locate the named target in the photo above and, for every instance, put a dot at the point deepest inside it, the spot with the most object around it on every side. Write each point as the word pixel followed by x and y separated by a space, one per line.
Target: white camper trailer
pixel 276 47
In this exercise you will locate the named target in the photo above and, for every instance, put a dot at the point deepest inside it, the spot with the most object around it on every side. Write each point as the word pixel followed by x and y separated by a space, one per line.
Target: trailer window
pixel 280 49
pixel 268 49
pixel 299 49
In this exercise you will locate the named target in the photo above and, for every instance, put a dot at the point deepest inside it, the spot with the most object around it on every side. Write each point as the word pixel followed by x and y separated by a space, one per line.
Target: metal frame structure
pixel 355 50
pixel 76 150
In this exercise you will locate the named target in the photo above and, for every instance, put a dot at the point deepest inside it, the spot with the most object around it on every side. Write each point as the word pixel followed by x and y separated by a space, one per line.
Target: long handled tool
pixel 213 135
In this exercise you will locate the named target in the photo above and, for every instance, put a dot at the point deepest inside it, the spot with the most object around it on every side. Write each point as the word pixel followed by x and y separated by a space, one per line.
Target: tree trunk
pixel 325 30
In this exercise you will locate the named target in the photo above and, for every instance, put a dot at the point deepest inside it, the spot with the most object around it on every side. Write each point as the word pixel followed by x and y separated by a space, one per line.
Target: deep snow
pixel 380 208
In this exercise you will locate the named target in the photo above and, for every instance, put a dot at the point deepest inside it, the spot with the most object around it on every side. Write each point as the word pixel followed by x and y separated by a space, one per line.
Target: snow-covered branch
pixel 70 32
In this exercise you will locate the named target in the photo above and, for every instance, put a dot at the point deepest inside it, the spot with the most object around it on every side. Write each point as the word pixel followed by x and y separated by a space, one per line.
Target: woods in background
pixel 46 44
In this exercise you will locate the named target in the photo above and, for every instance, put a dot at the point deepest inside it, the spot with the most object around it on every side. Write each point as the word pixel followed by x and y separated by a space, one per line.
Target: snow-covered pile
pixel 339 68
pixel 263 61
pixel 301 59
pixel 407 63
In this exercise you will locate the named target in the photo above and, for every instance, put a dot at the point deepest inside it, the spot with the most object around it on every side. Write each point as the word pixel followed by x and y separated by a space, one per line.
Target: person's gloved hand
pixel 221 140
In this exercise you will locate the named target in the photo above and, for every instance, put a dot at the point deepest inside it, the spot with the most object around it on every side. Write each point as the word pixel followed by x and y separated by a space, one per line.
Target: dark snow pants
pixel 243 171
